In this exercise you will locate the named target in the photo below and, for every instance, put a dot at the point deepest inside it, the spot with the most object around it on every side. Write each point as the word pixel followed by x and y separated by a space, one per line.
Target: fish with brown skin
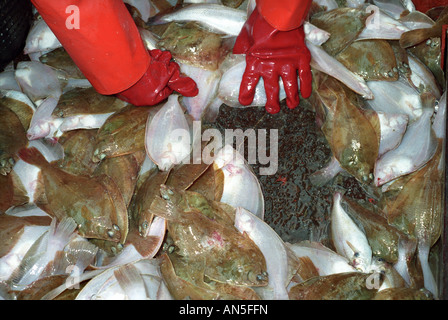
pixel 403 294
pixel 61 60
pixel 344 25
pixel 86 101
pixel 78 151
pixel 12 139
pixel 353 140
pixel 382 237
pixel 370 59
pixel 414 37
pixel 418 209
pixel 142 199
pixel 190 43
pixel 230 256
pixel 186 279
pixel 123 132
pixel 338 286
pixel 95 203
pixel 124 171
pixel 12 192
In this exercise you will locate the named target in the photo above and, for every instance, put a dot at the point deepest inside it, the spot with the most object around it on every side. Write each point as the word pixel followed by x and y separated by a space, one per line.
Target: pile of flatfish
pixel 105 200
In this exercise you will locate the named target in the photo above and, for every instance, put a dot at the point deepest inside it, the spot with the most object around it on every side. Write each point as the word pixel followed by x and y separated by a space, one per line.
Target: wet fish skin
pixel 38 80
pixel 326 260
pixel 20 104
pixel 118 135
pixel 41 38
pixel 143 197
pixel 380 25
pixel 272 247
pixel 94 203
pixel 325 63
pixel 370 59
pixel 12 139
pixel 217 17
pixel 403 294
pixel 354 143
pixel 414 37
pixel 230 256
pixel 382 237
pixel 339 286
pixel 348 239
pixel 344 24
pixel 167 135
pixel 402 160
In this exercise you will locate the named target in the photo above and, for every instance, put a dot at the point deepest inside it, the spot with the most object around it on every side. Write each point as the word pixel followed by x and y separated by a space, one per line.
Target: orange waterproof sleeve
pixel 284 15
pixel 102 40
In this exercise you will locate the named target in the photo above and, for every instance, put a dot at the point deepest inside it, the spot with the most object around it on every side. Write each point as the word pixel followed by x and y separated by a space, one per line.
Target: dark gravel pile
pixel 294 207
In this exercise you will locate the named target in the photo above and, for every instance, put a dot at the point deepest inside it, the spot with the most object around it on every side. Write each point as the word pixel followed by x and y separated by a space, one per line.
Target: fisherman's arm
pixel 107 47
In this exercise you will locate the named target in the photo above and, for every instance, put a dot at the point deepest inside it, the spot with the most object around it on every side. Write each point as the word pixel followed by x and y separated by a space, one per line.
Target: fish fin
pixel 307 269
pixel 32 156
pixel 165 209
pixel 428 277
pixel 351 246
pixel 219 183
pixel 131 281
pixel 414 37
pixel 325 175
pixel 65 228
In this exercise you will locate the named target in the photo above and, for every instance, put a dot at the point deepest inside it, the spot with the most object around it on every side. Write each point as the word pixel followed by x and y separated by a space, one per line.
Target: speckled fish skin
pixel 86 101
pixel 214 16
pixel 94 203
pixel 231 257
pixel 352 138
pixel 418 146
pixel 326 260
pixel 60 59
pixel 120 135
pixel 12 139
pixel 370 59
pixel 403 294
pixel 187 280
pixel 339 286
pixel 191 44
pixel 383 238
pixel 78 151
pixel 20 104
pixel 124 171
pixel 381 26
pixel 343 24
pixel 417 210
pixel 41 38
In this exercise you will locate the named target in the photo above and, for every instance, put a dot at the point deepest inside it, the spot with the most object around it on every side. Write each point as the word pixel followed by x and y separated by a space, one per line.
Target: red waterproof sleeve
pixel 105 45
pixel 284 15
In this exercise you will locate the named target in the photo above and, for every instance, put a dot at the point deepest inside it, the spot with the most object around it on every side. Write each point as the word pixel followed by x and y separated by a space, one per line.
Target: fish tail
pixel 414 37
pixel 32 156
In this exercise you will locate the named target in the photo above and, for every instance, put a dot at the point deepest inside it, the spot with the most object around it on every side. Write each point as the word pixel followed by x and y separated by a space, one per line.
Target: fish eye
pixel 262 276
pixel 356 254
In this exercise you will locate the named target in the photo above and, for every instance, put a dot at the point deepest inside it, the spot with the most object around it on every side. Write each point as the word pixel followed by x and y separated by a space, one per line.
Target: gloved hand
pixel 271 53
pixel 159 81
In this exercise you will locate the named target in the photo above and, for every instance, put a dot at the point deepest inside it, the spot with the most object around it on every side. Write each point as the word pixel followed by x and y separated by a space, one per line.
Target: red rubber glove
pixel 271 53
pixel 159 81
